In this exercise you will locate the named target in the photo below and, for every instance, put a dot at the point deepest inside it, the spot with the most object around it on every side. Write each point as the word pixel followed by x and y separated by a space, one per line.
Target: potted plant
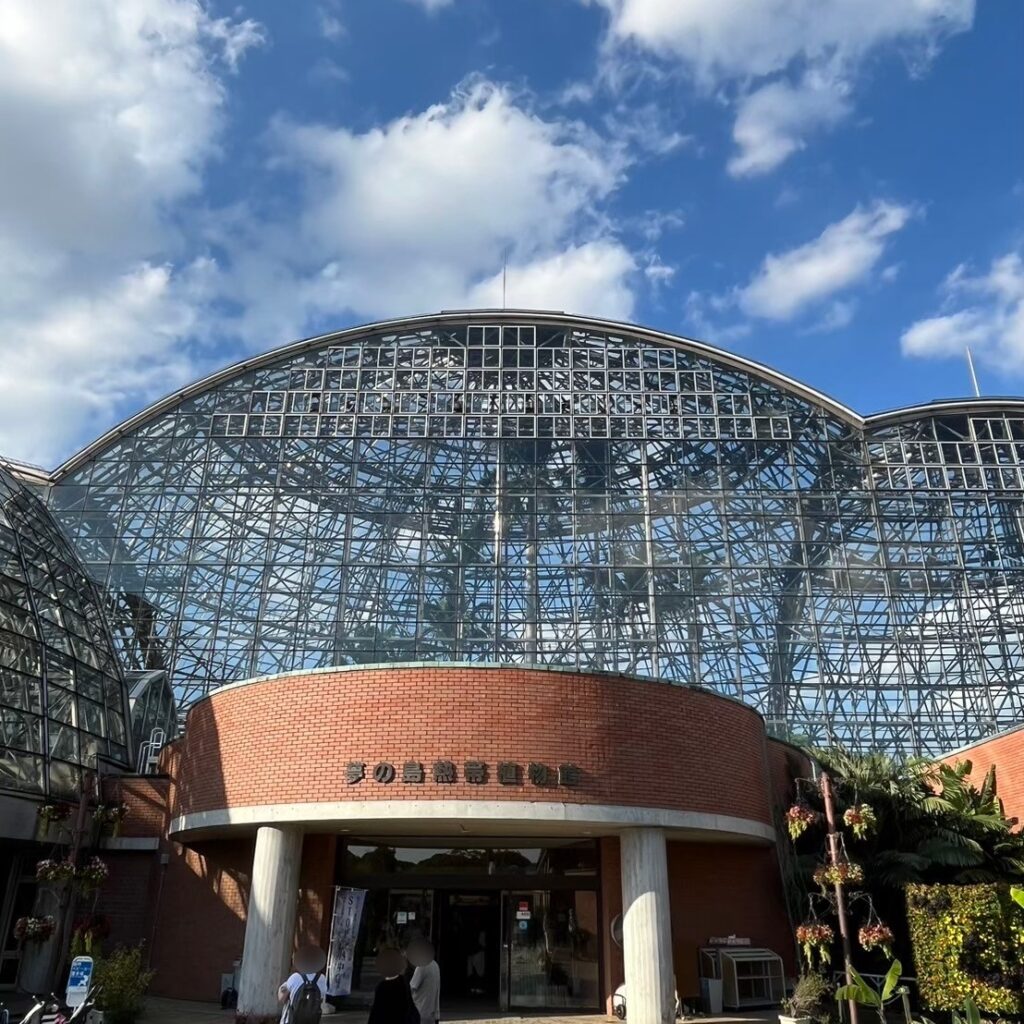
pixel 34 929
pixel 122 982
pixel 808 1001
pixel 92 874
pixel 55 871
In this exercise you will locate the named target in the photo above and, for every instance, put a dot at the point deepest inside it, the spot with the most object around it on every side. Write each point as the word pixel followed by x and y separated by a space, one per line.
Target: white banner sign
pixel 348 911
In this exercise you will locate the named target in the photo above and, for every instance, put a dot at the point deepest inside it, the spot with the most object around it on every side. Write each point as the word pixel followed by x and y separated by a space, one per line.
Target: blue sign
pixel 79 980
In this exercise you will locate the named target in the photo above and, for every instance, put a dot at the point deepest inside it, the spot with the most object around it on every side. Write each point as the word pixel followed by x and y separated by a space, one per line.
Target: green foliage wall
pixel 968 941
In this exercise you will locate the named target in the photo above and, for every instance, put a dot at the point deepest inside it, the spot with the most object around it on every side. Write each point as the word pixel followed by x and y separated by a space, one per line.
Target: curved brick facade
pixel 288 739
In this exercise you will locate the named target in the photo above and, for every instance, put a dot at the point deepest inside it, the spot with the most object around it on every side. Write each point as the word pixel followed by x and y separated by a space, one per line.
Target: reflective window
pixel 550 494
pixel 575 859
pixel 61 689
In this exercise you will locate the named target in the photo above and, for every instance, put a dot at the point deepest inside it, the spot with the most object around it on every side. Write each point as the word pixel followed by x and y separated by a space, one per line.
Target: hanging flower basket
pixel 876 936
pixel 51 814
pixel 57 871
pixel 89 931
pixel 111 815
pixel 93 874
pixel 861 820
pixel 34 929
pixel 799 818
pixel 843 873
pixel 816 941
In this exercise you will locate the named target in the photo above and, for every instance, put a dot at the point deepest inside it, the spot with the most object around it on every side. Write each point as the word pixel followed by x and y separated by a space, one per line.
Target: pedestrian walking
pixel 426 982
pixel 392 999
pixel 302 995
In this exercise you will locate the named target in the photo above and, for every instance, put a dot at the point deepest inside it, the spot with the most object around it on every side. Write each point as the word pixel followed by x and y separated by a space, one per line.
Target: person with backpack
pixel 302 995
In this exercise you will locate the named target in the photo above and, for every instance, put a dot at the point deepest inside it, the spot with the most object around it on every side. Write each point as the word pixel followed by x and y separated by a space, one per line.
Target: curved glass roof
pixel 62 694
pixel 533 487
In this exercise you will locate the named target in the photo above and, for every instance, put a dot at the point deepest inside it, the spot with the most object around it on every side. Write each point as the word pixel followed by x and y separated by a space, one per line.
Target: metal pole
pixel 833 852
pixel 974 376
pixel 68 910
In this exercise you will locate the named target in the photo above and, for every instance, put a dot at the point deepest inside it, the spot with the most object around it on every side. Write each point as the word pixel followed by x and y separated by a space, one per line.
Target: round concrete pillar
pixel 270 924
pixel 646 928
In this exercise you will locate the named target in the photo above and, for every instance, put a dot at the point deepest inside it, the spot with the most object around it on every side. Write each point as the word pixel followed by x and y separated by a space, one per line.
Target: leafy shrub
pixel 813 996
pixel 968 943
pixel 122 982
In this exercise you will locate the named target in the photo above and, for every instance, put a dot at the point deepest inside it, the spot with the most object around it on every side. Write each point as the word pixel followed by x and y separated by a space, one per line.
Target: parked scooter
pixel 52 1011
pixel 619 1005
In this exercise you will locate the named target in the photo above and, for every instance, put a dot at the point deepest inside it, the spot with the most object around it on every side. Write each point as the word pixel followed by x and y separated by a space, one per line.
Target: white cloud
pixel 990 319
pixel 418 213
pixel 66 369
pixel 111 109
pixel 331 25
pixel 772 121
pixel 793 60
pixel 843 255
pixel 726 39
pixel 431 6
pixel 590 278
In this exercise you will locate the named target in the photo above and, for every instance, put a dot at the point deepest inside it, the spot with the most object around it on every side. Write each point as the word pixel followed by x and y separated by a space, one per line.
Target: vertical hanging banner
pixel 348 911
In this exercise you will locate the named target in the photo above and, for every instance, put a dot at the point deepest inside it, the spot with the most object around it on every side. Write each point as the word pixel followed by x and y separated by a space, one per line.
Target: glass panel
pixel 552 950
pixel 603 501
pixel 391 918
pixel 579 859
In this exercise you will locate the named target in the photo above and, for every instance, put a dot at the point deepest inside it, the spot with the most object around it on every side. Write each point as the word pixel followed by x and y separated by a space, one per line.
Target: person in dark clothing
pixel 392 999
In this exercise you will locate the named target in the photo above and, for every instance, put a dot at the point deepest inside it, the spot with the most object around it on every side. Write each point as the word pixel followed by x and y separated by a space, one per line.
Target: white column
pixel 646 928
pixel 270 924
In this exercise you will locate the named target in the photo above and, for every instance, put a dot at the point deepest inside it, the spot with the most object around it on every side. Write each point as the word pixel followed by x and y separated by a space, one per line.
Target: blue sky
pixel 833 187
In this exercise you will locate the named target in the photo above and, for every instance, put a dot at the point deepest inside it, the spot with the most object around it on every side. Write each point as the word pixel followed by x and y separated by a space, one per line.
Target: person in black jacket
pixel 392 999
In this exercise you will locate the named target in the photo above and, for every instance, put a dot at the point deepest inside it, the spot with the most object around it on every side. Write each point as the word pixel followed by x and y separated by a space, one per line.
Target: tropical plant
pixel 860 992
pixel 971 1015
pixel 122 981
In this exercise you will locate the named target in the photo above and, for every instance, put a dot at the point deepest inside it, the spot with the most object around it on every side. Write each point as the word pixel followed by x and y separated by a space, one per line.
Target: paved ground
pixel 168 1011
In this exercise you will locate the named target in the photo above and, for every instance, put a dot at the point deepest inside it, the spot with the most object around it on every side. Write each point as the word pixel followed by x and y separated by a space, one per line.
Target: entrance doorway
pixel 469 949
pixel 514 927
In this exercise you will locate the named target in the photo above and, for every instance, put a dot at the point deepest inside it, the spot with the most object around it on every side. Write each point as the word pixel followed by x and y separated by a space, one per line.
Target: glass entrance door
pixel 550 950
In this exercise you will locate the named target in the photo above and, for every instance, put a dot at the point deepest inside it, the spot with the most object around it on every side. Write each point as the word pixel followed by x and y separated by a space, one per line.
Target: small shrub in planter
pixel 122 982
pixel 811 1000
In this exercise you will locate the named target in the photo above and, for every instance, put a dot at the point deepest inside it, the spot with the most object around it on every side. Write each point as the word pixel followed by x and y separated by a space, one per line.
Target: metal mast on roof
pixel 974 376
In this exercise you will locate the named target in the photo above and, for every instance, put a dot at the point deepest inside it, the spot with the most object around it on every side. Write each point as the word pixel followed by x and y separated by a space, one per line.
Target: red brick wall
pixel 129 895
pixel 718 890
pixel 146 799
pixel 785 763
pixel 201 917
pixel 638 743
pixel 316 890
pixel 1006 752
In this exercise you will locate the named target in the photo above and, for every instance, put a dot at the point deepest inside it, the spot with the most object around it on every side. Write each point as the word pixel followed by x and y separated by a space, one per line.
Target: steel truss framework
pixel 62 694
pixel 557 494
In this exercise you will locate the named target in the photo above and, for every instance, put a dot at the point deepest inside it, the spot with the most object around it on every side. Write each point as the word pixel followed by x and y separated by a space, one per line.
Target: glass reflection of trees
pixel 552 492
